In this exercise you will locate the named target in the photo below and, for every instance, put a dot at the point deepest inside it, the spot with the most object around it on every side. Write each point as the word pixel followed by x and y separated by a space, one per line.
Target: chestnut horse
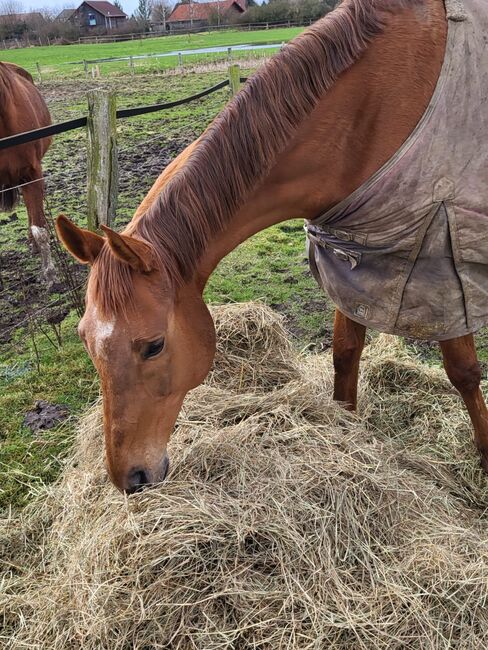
pixel 310 127
pixel 23 109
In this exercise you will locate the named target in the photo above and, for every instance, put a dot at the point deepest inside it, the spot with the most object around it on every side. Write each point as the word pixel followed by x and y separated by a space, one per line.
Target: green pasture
pixel 56 59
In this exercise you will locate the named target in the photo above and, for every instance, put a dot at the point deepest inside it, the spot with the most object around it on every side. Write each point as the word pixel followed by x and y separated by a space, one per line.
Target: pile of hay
pixel 285 523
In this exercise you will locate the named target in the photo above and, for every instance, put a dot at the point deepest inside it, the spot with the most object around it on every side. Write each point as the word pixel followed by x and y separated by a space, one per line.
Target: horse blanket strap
pixel 407 252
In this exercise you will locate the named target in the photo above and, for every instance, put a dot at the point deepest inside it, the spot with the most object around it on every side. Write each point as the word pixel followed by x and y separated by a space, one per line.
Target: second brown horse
pixel 22 108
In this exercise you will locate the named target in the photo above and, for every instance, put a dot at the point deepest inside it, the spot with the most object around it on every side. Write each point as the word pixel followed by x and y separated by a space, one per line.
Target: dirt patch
pixel 45 416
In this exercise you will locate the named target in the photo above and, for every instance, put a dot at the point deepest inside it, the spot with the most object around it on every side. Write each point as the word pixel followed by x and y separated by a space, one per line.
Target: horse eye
pixel 153 349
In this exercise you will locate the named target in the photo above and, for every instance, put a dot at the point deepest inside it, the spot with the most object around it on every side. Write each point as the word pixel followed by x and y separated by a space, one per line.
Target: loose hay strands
pixel 285 523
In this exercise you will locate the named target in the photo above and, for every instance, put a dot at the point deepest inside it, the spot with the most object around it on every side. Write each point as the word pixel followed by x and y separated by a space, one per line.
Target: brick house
pixel 97 15
pixel 192 15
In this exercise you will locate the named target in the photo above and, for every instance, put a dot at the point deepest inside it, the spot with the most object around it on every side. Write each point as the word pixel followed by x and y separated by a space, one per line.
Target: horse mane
pixel 241 146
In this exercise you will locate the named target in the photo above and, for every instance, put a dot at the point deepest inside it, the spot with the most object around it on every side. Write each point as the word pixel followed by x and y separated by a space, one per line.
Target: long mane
pixel 242 144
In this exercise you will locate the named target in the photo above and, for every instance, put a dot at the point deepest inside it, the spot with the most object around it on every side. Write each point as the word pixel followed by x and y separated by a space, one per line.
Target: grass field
pixel 55 59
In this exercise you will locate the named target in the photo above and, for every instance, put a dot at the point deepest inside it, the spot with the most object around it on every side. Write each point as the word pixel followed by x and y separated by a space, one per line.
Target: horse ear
pixel 84 245
pixel 130 250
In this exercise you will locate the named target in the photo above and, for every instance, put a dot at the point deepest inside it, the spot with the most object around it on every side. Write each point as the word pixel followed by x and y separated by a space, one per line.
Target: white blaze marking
pixel 103 331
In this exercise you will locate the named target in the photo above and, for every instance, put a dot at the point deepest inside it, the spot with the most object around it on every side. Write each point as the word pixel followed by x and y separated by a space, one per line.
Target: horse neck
pixel 355 128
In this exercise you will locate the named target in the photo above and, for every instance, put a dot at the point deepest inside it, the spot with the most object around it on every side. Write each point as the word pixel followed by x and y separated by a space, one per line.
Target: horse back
pixel 17 89
pixel 16 69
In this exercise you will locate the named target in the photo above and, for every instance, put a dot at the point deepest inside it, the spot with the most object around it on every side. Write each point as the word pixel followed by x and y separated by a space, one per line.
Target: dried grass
pixel 286 522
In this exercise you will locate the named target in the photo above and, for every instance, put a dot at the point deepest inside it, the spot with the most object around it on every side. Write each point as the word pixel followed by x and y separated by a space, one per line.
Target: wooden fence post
pixel 102 167
pixel 180 60
pixel 131 63
pixel 234 78
pixel 39 72
pixel 85 67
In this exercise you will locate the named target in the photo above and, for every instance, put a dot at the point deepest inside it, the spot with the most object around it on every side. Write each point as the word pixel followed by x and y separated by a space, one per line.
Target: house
pixel 192 15
pixel 99 15
pixel 64 16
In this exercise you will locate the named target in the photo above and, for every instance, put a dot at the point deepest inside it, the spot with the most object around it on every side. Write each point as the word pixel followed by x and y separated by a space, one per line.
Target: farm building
pixel 200 14
pixel 64 16
pixel 95 14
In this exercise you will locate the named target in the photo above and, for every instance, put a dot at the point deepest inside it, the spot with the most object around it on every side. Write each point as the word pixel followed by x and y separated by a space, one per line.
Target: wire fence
pixel 175 61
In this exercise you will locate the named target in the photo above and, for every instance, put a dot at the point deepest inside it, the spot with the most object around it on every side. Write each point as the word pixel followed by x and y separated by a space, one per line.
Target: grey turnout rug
pixel 407 252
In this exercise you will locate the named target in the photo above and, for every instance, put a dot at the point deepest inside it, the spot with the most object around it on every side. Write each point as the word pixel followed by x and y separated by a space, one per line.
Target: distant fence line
pixel 114 38
pixel 230 53
pixel 229 50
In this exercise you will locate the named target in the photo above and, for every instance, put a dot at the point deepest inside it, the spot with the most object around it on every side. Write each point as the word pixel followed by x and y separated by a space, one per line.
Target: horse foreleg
pixel 38 230
pixel 347 347
pixel 463 370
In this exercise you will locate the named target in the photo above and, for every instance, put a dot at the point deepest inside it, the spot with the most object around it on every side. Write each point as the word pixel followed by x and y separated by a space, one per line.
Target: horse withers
pixel 22 108
pixel 322 118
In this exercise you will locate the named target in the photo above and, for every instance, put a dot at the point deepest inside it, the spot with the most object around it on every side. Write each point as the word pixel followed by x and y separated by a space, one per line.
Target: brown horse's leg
pixel 347 348
pixel 462 367
pixel 33 194
pixel 38 231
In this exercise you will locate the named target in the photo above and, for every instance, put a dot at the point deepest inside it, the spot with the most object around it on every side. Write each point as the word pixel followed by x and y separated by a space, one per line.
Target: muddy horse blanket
pixel 407 252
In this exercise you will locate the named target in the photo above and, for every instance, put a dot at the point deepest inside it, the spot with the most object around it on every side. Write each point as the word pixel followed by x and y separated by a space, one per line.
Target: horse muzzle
pixel 139 478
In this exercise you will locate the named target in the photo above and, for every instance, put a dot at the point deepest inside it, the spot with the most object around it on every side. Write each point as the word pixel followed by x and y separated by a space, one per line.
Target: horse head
pixel 150 347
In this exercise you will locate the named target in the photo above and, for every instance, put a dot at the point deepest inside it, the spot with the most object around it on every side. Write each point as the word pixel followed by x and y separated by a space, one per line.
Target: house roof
pixel 105 8
pixel 202 10
pixel 65 14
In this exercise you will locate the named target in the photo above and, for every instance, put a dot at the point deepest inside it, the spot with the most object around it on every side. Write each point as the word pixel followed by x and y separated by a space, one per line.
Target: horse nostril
pixel 165 470
pixel 136 481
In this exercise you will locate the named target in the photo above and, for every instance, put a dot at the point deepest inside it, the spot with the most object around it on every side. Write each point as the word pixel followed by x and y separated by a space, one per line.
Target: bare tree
pixel 161 9
pixel 143 13
pixel 11 8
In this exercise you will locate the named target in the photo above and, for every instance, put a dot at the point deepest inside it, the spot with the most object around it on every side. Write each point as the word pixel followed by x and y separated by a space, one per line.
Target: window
pixel 92 19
